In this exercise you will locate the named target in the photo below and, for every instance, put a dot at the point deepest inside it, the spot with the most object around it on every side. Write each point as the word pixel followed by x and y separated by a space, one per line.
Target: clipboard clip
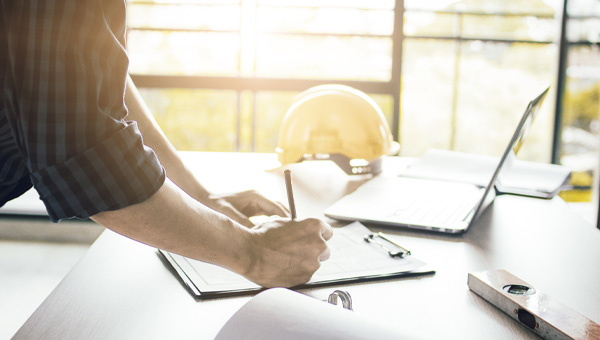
pixel 399 250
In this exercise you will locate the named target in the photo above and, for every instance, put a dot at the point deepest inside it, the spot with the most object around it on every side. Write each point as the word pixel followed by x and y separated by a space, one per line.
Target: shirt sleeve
pixel 64 100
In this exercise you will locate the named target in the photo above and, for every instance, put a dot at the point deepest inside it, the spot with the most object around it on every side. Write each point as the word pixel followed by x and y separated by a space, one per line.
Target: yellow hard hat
pixel 338 123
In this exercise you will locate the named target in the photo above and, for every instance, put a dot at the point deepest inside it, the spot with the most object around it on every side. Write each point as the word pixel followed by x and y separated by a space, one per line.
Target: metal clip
pixel 401 252
pixel 344 296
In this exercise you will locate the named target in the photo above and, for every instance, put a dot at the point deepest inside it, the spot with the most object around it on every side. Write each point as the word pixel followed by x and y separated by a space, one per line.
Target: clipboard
pixel 357 255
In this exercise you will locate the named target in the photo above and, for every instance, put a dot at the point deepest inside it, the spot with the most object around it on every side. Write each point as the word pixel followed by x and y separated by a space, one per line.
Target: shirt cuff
pixel 118 172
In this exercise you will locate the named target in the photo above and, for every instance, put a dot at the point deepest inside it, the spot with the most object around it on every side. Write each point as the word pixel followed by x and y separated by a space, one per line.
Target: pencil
pixel 290 193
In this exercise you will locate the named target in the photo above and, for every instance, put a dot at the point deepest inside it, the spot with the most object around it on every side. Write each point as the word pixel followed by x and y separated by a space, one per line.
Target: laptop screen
pixel 512 149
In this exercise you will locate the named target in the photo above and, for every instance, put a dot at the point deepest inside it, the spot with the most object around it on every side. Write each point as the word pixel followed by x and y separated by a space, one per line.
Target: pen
pixel 288 186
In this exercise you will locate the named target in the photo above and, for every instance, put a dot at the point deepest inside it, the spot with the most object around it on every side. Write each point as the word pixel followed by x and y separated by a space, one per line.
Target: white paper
pixel 478 169
pixel 351 257
pixel 279 313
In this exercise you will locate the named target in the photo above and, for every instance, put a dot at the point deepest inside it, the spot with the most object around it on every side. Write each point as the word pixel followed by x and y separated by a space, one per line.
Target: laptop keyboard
pixel 419 201
pixel 409 201
pixel 444 208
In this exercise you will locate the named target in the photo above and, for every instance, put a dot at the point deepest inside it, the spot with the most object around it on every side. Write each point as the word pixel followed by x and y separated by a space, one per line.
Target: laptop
pixel 429 204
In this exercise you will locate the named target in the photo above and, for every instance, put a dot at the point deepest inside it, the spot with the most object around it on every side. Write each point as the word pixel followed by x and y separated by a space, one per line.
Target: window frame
pixel 391 88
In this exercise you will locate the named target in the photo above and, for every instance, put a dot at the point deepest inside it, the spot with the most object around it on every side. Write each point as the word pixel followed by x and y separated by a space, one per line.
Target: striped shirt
pixel 63 68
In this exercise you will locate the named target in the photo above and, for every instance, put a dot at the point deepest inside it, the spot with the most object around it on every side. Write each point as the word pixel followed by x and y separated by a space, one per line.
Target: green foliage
pixel 581 106
pixel 195 120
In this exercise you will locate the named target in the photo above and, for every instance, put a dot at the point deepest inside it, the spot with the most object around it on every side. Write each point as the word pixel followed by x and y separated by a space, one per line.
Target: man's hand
pixel 280 252
pixel 241 206
pixel 286 253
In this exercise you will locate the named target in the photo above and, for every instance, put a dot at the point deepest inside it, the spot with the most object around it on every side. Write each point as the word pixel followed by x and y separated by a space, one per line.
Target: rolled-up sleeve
pixel 116 173
pixel 64 86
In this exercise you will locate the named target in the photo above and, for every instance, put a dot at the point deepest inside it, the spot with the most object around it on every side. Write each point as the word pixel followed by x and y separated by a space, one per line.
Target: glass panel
pixel 195 120
pixel 369 4
pixel 509 27
pixel 197 2
pixel 430 5
pixel 324 57
pixel 270 109
pixel 183 53
pixel 505 6
pixel 583 8
pixel 184 17
pixel 581 103
pixel 430 24
pixel 497 80
pixel 325 20
pixel 584 30
pixel 480 26
pixel 427 81
pixel 581 124
pixel 246 124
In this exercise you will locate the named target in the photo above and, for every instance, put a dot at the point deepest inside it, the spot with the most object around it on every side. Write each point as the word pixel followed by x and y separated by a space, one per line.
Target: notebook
pixel 430 204
pixel 280 313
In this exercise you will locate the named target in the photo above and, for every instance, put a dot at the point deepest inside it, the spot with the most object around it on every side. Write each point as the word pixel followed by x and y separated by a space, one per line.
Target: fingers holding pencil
pixel 326 230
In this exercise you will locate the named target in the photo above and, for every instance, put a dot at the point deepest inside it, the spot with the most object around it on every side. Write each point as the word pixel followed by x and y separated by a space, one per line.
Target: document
pixel 522 178
pixel 280 313
pixel 352 259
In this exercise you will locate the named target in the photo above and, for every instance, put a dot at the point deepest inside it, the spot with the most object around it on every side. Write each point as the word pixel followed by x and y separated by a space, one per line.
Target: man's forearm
pixel 280 252
pixel 173 221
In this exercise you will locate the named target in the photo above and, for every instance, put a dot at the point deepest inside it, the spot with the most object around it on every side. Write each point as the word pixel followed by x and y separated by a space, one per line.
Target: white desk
pixel 125 290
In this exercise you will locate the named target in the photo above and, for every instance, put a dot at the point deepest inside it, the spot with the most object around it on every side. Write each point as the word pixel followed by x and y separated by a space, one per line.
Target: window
pixel 581 102
pixel 469 69
pixel 219 75
pixel 254 57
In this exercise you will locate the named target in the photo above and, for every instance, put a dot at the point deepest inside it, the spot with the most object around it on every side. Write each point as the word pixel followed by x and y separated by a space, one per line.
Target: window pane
pixel 427 81
pixel 430 24
pixel 480 26
pixel 325 20
pixel 581 104
pixel 369 4
pixel 505 6
pixel 183 53
pixel 270 109
pixel 183 17
pixel 509 27
pixel 497 81
pixel 324 57
pixel 583 8
pixel 195 120
pixel 196 2
pixel 584 30
pixel 581 125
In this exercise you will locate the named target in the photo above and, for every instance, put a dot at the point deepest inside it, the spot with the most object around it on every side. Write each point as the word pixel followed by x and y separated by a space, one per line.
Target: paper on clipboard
pixel 523 178
pixel 352 260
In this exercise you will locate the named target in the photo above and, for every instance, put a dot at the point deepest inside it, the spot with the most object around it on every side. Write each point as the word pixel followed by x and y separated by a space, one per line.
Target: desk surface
pixel 123 289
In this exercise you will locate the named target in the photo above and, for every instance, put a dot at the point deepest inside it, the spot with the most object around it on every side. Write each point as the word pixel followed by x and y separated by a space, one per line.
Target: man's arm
pixel 238 206
pixel 184 218
pixel 280 252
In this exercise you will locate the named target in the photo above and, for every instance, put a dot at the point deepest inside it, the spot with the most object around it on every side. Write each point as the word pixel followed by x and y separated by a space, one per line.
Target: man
pixel 65 98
